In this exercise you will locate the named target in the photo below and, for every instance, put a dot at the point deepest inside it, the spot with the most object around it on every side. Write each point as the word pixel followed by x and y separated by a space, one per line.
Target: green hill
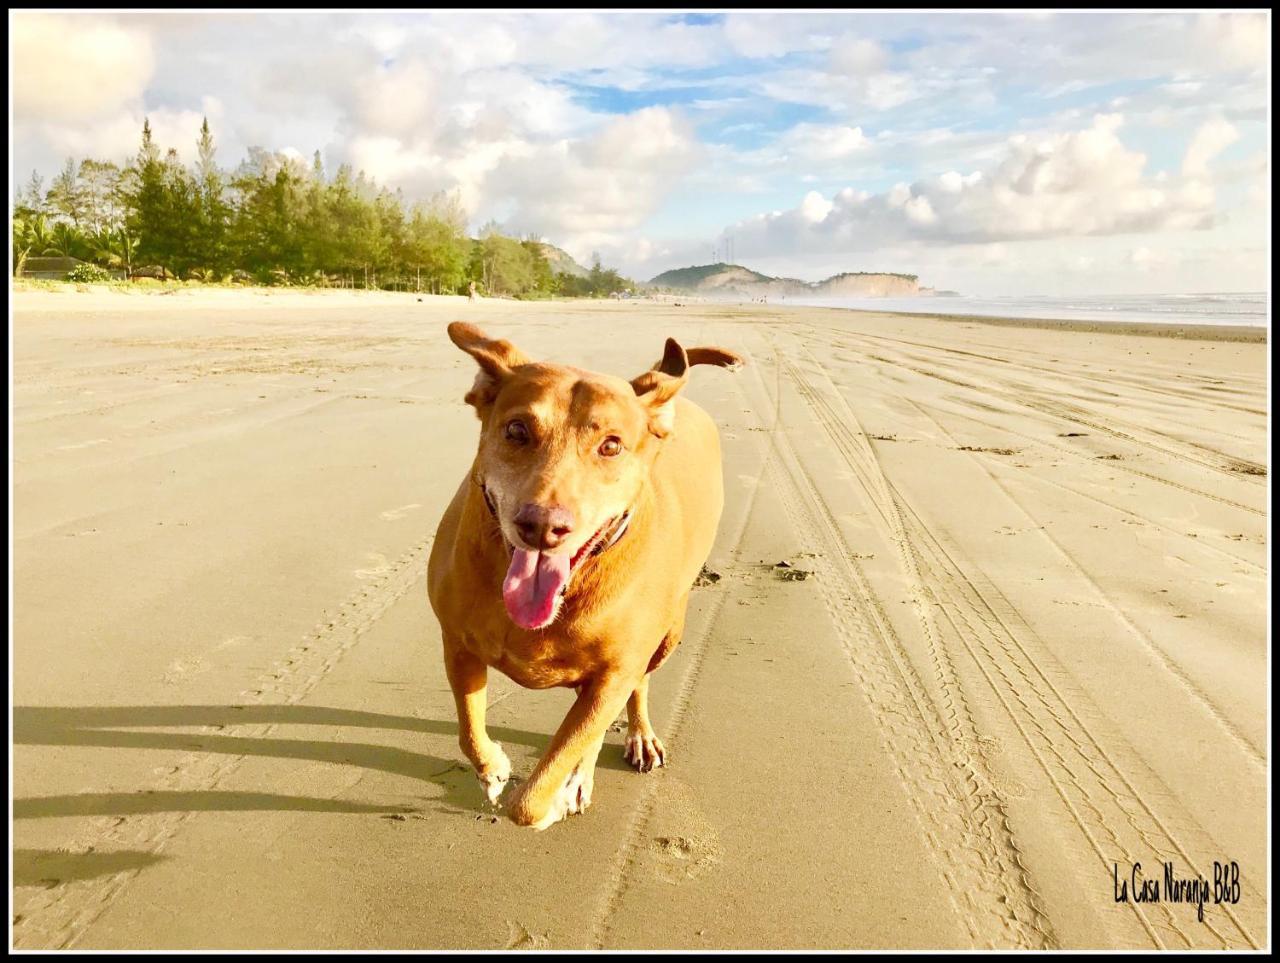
pixel 561 262
pixel 692 277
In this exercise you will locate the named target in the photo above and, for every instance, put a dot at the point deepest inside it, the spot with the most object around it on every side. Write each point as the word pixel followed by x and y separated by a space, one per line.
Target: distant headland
pixel 736 281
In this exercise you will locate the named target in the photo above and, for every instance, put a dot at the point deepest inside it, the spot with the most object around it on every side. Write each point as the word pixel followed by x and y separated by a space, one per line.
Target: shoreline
pixel 229 296
pixel 1245 333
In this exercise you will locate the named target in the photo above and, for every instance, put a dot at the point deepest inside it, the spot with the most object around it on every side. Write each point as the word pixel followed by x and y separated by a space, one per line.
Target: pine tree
pixel 100 183
pixel 148 218
pixel 149 153
pixel 213 210
pixel 182 221
pixel 206 166
pixel 65 195
pixel 33 196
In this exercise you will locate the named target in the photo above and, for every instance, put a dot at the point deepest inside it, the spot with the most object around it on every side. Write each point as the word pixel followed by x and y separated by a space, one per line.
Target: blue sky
pixel 997 153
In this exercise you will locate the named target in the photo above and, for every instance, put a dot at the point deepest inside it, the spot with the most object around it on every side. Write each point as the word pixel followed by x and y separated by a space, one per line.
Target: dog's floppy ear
pixel 659 386
pixel 495 357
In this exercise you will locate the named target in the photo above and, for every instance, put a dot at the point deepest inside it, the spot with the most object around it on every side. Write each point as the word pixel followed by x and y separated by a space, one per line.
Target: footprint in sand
pixel 84 444
pixel 684 844
pixel 380 566
pixel 183 670
pixel 519 937
pixel 180 670
pixel 679 858
pixel 391 514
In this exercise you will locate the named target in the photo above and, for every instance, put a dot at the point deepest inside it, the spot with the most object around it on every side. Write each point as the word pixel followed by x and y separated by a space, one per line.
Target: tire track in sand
pixel 1255 755
pixel 1119 465
pixel 932 413
pixel 1087 379
pixel 1116 820
pixel 1161 443
pixel 1097 777
pixel 1240 469
pixel 1176 450
pixel 953 798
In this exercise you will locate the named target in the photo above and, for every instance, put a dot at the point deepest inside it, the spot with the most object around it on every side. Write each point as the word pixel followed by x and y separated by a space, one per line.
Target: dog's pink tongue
pixel 533 581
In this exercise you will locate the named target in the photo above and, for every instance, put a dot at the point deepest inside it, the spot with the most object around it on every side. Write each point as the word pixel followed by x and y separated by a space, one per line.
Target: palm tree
pixel 117 248
pixel 65 240
pixel 30 233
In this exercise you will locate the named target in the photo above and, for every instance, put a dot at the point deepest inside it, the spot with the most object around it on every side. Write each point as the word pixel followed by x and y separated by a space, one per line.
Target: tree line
pixel 276 220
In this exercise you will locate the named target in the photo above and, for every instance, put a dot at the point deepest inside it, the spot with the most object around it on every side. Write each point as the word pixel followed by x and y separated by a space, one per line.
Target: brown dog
pixel 567 555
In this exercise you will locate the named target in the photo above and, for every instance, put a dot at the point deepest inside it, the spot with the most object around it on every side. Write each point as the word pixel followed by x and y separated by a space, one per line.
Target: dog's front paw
pixel 644 750
pixel 572 798
pixel 495 775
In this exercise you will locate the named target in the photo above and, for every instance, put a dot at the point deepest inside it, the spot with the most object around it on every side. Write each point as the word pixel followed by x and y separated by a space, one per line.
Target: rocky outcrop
pixel 561 262
pixel 735 281
pixel 869 286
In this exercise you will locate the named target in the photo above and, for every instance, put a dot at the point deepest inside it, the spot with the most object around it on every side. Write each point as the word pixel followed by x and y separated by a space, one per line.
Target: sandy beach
pixel 1029 652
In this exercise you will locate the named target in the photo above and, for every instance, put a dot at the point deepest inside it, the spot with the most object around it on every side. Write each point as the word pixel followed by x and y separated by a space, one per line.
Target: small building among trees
pixel 49 268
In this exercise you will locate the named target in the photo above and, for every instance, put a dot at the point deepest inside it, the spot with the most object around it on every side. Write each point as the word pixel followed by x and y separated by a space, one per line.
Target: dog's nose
pixel 543 527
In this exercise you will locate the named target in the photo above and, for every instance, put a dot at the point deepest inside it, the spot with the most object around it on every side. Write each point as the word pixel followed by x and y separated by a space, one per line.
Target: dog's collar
pixel 619 529
pixel 619 525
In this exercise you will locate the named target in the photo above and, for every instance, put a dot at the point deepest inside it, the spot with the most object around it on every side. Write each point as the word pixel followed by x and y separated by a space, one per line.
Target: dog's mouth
pixel 536 582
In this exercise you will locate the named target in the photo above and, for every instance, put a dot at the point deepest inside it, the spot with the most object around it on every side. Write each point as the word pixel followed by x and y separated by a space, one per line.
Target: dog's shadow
pixel 49 867
pixel 116 727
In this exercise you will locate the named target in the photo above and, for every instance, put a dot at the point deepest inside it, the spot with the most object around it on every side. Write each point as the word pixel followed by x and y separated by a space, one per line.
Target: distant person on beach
pixel 472 290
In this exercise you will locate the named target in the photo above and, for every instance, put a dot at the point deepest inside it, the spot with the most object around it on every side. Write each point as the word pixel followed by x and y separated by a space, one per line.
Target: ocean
pixel 1228 308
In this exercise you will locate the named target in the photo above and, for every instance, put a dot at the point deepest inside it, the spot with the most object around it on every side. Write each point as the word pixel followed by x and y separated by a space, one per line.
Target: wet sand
pixel 1031 650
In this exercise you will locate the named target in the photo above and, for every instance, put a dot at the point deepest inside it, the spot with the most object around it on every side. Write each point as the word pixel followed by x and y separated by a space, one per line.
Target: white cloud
pixel 953 182
pixel 1213 137
pixel 842 94
pixel 69 68
pixel 117 136
pixel 595 190
pixel 1144 259
pixel 760 35
pixel 616 45
pixel 815 208
pixel 856 56
pixel 919 210
pixel 396 100
pixel 818 142
pixel 1258 173
pixel 1239 38
pixel 1080 183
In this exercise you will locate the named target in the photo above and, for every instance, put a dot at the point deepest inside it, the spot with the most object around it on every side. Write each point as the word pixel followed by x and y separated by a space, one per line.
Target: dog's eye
pixel 516 432
pixel 610 447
